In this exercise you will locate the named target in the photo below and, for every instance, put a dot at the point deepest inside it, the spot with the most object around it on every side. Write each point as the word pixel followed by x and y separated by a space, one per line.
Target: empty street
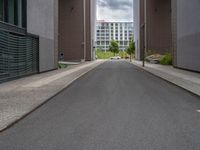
pixel 116 106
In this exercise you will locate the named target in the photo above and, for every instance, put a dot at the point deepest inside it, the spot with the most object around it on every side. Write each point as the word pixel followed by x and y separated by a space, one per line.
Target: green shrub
pixel 62 66
pixel 166 59
pixel 104 55
pixel 122 54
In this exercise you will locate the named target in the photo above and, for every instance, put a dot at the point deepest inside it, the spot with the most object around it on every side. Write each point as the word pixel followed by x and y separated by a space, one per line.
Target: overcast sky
pixel 115 10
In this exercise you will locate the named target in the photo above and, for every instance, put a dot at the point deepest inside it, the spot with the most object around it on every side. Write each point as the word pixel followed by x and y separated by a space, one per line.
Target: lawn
pixel 104 55
pixel 107 55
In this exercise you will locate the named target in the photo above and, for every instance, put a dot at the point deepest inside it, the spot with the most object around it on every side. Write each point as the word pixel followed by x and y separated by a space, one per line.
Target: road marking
pixel 198 110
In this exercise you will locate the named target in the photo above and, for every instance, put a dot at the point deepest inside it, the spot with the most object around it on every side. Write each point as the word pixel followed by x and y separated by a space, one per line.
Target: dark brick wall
pixel 71 29
pixel 174 32
pixel 159 26
pixel 88 31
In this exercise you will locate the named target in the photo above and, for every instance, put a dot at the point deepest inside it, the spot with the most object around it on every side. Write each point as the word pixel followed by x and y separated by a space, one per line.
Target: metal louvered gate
pixel 19 55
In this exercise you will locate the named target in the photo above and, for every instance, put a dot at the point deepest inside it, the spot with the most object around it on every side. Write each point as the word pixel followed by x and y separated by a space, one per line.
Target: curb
pixel 185 89
pixel 54 95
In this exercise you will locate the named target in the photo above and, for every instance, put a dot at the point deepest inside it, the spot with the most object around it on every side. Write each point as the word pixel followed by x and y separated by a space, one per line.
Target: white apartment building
pixel 122 32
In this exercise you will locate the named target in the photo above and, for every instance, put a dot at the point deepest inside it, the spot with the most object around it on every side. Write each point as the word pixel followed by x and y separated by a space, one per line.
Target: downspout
pixel 146 35
pixel 84 30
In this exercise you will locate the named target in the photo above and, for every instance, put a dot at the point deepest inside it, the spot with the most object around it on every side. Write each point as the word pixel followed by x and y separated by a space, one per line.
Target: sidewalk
pixel 20 97
pixel 187 80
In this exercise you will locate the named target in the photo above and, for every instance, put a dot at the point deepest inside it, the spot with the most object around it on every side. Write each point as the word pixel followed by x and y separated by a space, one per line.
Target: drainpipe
pixel 84 30
pixel 145 25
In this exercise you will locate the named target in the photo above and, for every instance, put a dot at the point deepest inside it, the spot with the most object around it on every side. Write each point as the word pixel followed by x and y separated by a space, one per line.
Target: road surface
pixel 116 106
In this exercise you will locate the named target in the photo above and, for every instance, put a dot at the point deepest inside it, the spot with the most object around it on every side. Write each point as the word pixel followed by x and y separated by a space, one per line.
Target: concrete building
pixel 108 31
pixel 169 26
pixel 34 33
pixel 77 20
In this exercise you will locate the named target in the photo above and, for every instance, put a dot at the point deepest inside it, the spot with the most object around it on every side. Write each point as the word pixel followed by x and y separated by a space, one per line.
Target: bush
pixel 104 55
pixel 166 59
pixel 62 66
pixel 123 54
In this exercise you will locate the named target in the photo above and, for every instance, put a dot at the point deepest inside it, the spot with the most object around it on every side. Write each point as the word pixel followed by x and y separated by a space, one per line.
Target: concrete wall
pixel 139 27
pixel 188 34
pixel 136 21
pixel 90 29
pixel 41 21
pixel 93 27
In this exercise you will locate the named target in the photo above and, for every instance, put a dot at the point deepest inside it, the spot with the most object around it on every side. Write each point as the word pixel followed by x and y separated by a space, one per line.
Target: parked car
pixel 116 57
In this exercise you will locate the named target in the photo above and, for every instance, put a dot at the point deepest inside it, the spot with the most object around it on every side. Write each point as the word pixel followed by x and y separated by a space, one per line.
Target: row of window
pixel 108 39
pixel 116 24
pixel 107 48
pixel 103 34
pixel 111 28
pixel 13 12
pixel 121 43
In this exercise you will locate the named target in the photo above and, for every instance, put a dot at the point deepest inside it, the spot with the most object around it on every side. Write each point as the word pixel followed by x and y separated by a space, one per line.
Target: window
pixel 1 10
pixel 102 43
pixel 13 12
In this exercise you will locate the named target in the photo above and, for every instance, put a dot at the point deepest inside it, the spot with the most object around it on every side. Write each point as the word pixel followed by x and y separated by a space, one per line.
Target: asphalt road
pixel 116 106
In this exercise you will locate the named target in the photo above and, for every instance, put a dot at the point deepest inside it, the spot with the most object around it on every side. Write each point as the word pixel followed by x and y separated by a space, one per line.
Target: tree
pixel 114 47
pixel 131 49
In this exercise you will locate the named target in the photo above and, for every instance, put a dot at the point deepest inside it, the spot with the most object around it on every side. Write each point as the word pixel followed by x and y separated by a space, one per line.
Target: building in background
pixel 169 26
pixel 108 31
pixel 33 34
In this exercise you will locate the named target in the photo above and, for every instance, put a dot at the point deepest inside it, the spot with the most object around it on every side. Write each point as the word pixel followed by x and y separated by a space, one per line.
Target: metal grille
pixel 18 55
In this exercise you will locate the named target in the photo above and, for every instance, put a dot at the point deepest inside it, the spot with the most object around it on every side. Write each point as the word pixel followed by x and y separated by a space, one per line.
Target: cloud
pixel 116 4
pixel 115 10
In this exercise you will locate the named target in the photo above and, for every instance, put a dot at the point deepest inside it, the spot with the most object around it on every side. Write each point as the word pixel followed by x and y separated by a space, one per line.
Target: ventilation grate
pixel 19 55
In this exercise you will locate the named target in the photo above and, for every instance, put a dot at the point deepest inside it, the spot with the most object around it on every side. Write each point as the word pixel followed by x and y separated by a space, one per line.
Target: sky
pixel 115 10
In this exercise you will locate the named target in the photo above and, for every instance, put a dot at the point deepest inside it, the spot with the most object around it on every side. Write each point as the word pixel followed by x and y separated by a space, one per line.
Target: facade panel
pixel 159 34
pixel 76 24
pixel 188 34
pixel 19 55
pixel 19 51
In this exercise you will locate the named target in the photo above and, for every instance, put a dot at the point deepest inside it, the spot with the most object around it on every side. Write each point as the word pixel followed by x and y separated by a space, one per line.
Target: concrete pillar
pixel 76 25
pixel 159 32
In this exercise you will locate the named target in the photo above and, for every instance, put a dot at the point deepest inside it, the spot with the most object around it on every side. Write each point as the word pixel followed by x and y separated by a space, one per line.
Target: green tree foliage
pixel 131 49
pixel 114 47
